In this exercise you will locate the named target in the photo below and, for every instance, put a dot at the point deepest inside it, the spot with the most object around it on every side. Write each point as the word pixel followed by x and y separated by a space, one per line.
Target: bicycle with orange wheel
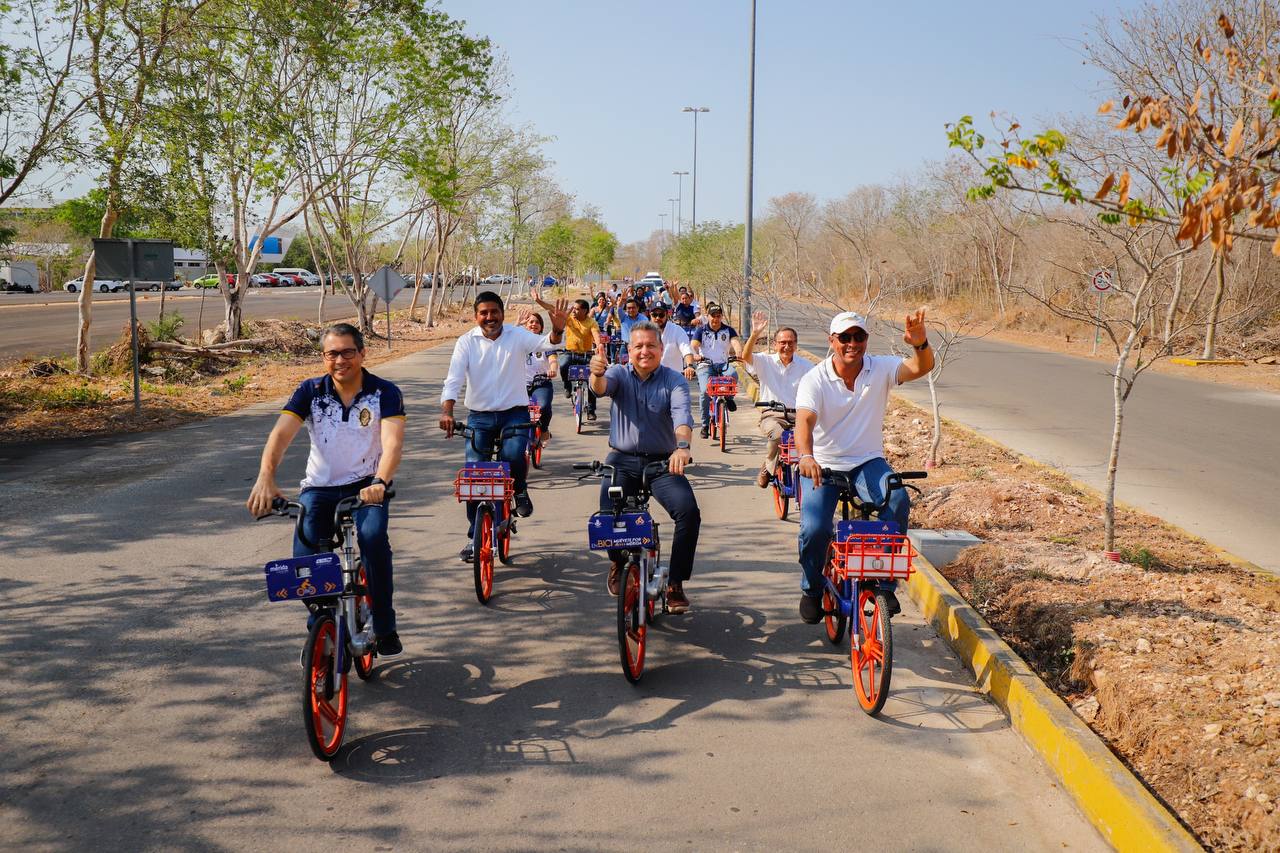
pixel 335 590
pixel 490 486
pixel 721 389
pixel 863 556
pixel 785 476
pixel 533 450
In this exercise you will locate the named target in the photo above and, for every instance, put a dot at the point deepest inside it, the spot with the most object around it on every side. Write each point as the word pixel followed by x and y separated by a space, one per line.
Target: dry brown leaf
pixel 1107 183
pixel 1123 189
pixel 1106 108
pixel 1225 25
pixel 1233 142
pixel 1207 54
pixel 1195 101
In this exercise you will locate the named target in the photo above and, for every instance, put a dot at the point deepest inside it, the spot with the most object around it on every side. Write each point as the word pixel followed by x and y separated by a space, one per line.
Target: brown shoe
pixel 677 601
pixel 615 578
pixel 763 478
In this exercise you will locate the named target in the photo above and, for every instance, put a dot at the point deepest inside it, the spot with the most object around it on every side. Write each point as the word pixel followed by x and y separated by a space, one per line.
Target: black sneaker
pixel 811 609
pixel 591 414
pixel 524 506
pixel 389 646
pixel 706 431
pixel 894 607
pixel 467 554
pixel 731 403
pixel 568 393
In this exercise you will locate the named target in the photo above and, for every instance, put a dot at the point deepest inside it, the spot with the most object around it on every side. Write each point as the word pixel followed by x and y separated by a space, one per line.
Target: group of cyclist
pixel 836 408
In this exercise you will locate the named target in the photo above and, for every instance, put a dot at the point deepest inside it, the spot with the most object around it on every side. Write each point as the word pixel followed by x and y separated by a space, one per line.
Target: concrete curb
pixel 1109 795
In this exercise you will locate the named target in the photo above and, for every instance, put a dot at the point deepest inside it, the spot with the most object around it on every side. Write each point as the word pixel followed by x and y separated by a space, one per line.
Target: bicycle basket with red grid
pixel 484 481
pixel 872 550
pixel 722 386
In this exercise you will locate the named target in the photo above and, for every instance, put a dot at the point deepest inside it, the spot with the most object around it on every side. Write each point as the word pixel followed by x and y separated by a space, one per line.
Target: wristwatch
pixel 378 481
pixel 922 347
pixel 682 445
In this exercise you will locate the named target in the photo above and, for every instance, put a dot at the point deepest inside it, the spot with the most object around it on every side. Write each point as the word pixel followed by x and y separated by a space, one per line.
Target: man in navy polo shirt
pixel 356 424
pixel 713 343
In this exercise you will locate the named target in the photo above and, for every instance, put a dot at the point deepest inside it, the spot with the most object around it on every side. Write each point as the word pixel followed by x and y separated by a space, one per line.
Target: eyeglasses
pixel 857 335
pixel 335 354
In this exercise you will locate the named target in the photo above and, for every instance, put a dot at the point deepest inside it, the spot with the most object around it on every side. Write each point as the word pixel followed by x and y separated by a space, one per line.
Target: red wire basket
pixel 875 556
pixel 483 484
pixel 722 386
pixel 787 448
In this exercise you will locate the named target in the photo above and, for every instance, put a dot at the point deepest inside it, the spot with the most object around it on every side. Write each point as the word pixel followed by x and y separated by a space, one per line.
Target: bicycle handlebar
pixel 282 507
pixel 469 432
pixel 775 406
pixel 849 492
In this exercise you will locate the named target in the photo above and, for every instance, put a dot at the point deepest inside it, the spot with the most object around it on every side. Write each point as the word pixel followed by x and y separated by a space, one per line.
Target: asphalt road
pixel 152 692
pixel 45 323
pixel 1200 455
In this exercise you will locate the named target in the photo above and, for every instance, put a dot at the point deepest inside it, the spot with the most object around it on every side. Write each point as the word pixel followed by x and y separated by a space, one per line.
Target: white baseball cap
pixel 846 321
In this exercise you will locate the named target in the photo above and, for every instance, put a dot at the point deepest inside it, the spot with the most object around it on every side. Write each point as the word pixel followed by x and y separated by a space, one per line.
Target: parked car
pixel 102 285
pixel 264 279
pixel 7 286
pixel 206 281
pixel 497 280
pixel 155 285
pixel 290 280
pixel 307 276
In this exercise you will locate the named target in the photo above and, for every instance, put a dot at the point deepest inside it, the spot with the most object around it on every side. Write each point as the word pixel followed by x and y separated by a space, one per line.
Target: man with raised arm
pixel 490 359
pixel 840 426
pixel 650 421
pixel 356 425
pixel 779 377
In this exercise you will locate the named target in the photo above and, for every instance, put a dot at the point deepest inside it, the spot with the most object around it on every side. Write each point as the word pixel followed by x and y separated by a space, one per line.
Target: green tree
pixel 555 248
pixel 83 216
pixel 597 252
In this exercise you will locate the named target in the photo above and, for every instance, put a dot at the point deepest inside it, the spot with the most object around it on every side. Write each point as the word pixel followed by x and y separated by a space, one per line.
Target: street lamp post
pixel 662 223
pixel 695 110
pixel 679 198
pixel 745 319
pixel 673 217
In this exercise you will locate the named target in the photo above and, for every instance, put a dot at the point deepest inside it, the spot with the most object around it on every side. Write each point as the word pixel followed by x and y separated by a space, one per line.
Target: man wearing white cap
pixel 840 425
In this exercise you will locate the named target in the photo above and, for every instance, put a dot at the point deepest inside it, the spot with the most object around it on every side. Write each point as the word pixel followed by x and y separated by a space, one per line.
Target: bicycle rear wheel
pixel 722 419
pixel 872 659
pixel 364 618
pixel 482 553
pixel 324 695
pixel 579 408
pixel 632 631
pixel 835 620
pixel 781 502
pixel 535 449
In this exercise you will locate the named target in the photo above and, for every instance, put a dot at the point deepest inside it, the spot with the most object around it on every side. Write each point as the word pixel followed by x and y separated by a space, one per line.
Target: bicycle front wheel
pixel 781 502
pixel 503 538
pixel 482 548
pixel 324 696
pixel 872 657
pixel 632 631
pixel 535 450
pixel 579 408
pixel 722 424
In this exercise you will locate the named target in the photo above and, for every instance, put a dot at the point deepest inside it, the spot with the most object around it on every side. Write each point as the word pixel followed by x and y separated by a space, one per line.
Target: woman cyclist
pixel 539 368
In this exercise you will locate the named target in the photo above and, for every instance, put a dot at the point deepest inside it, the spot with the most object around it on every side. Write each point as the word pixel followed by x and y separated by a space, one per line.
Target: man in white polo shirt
pixel 676 352
pixel 779 377
pixel 490 359
pixel 840 425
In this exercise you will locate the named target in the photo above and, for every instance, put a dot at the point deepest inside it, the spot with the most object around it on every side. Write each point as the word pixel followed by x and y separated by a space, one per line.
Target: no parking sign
pixel 1100 281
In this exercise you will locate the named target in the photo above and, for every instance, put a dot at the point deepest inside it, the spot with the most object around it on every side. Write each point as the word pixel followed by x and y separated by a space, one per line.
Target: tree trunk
pixel 233 313
pixel 1211 330
pixel 1119 394
pixel 1171 316
pixel 937 420
pixel 84 302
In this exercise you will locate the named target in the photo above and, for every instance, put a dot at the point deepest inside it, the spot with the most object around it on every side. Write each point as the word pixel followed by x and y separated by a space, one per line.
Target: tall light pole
pixel 673 217
pixel 662 223
pixel 679 198
pixel 695 111
pixel 745 320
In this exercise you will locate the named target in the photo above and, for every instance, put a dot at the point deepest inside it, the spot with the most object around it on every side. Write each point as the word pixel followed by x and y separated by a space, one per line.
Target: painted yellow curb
pixel 1202 362
pixel 1109 795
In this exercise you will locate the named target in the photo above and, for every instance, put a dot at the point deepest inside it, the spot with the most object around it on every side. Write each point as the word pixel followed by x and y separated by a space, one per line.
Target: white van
pixel 306 275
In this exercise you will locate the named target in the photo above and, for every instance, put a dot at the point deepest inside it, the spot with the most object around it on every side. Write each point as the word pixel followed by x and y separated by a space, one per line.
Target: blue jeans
pixel 541 393
pixel 818 507
pixel 371 536
pixel 673 493
pixel 486 425
pixel 706 370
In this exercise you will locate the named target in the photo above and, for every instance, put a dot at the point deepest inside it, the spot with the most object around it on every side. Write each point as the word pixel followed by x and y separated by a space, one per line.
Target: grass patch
pixel 1138 557
pixel 1064 540
pixel 236 385
pixel 68 397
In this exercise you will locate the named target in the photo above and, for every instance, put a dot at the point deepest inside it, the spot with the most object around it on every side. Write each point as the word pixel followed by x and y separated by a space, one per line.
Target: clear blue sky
pixel 847 93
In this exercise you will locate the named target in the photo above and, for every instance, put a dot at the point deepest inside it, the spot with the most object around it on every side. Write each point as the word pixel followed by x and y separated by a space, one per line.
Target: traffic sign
pixel 386 283
pixel 1101 281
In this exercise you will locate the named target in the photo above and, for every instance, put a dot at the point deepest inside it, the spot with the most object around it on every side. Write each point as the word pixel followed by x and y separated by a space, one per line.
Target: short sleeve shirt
pixel 536 364
pixel 346 441
pixel 778 382
pixel 715 342
pixel 646 412
pixel 850 426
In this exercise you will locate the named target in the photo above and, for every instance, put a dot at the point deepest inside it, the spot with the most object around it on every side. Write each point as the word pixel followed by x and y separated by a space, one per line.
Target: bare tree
pixel 798 214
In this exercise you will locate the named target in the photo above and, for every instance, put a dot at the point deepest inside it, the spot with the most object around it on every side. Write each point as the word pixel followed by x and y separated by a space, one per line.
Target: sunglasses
pixel 856 335
pixel 335 354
